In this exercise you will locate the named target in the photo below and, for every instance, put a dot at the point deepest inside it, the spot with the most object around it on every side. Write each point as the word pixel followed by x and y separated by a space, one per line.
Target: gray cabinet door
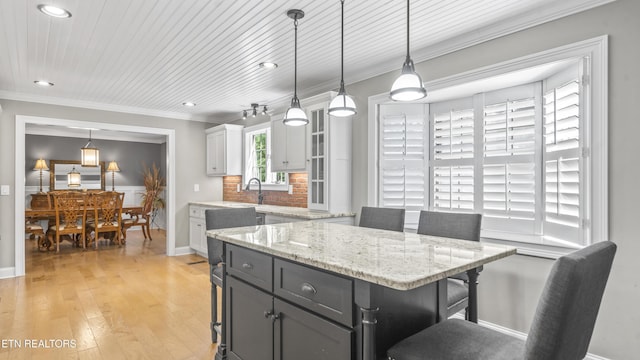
pixel 299 334
pixel 249 331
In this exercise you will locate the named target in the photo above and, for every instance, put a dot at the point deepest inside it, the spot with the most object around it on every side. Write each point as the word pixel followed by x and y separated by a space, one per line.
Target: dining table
pixel 48 214
pixel 350 290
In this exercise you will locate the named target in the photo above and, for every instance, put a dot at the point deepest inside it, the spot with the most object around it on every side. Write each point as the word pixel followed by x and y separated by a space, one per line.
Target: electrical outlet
pixel 290 190
pixel 196 187
pixel 237 187
pixel 5 190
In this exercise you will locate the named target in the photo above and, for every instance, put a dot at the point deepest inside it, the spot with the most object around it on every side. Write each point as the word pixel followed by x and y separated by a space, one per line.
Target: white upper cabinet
pixel 224 150
pixel 288 147
pixel 328 157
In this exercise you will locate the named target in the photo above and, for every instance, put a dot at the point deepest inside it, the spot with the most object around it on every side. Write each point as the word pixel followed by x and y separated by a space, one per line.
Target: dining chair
pixel 35 230
pixel 461 293
pixel 382 218
pixel 140 218
pixel 107 212
pixel 221 219
pixel 70 218
pixel 562 325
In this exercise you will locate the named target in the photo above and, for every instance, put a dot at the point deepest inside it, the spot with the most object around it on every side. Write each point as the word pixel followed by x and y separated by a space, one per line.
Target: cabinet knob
pixel 247 266
pixel 308 289
pixel 270 314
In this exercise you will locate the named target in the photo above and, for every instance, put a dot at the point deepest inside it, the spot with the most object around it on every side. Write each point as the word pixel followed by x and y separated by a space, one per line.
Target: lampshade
pixel 408 86
pixel 295 116
pixel 41 164
pixel 90 155
pixel 342 105
pixel 113 166
pixel 73 178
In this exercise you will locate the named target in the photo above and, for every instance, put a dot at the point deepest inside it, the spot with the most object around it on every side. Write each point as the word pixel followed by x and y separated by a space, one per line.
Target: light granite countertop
pixel 397 260
pixel 288 211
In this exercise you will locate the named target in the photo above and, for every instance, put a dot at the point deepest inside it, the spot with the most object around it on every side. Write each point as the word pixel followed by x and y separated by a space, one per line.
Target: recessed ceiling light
pixel 43 83
pixel 54 11
pixel 189 104
pixel 268 65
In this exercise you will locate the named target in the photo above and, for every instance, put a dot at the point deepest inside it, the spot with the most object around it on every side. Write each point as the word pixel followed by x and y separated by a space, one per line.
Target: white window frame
pixel 596 120
pixel 247 133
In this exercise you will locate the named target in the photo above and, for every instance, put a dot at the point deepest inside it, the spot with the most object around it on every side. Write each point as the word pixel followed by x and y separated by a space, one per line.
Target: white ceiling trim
pixel 61 131
pixel 10 95
pixel 485 34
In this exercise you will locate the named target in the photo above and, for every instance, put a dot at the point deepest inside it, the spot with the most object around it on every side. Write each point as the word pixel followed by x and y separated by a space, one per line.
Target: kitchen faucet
pixel 260 196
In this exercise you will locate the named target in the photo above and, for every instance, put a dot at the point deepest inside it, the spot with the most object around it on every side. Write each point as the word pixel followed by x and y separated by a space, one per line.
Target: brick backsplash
pixel 281 198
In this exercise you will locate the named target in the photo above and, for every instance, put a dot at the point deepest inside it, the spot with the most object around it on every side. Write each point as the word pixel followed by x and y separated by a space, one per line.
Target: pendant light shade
pixel 342 105
pixel 295 116
pixel 408 86
pixel 90 155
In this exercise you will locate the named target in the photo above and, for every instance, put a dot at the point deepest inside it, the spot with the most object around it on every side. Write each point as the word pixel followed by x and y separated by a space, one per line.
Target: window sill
pixel 270 187
pixel 536 250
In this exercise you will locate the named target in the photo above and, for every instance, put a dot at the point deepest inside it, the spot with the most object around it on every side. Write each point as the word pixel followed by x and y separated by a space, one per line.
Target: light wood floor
pixel 129 302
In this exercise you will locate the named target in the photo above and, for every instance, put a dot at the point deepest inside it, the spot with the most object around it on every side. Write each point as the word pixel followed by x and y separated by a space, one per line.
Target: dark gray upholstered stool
pixel 561 328
pixel 382 218
pixel 457 226
pixel 221 219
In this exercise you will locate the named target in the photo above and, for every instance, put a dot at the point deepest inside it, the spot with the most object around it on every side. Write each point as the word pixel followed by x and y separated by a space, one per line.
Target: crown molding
pixel 10 95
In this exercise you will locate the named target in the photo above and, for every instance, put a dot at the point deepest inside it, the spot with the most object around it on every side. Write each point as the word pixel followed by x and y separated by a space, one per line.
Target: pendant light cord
pixel 342 45
pixel 408 28
pixel 295 59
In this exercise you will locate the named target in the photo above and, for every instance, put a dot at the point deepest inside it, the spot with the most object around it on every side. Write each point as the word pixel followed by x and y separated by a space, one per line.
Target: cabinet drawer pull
pixel 308 288
pixel 247 266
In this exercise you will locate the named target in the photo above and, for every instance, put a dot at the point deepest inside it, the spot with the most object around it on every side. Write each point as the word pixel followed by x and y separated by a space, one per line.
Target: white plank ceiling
pixel 149 56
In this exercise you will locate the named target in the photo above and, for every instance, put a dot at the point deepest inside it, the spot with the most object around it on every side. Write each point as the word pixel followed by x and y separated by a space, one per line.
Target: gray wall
pixel 189 166
pixel 129 155
pixel 509 289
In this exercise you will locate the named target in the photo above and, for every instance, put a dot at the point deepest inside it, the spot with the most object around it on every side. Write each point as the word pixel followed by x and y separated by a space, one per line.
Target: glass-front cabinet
pixel 318 152
pixel 328 157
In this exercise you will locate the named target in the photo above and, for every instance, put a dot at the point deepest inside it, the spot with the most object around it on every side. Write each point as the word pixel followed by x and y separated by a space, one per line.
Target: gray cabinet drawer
pixel 324 293
pixel 250 266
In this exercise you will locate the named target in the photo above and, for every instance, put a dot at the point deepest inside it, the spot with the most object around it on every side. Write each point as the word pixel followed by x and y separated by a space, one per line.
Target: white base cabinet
pixel 197 230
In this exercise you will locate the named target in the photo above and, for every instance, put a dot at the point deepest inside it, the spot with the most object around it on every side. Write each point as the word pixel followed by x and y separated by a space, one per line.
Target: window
pixel 529 155
pixel 258 158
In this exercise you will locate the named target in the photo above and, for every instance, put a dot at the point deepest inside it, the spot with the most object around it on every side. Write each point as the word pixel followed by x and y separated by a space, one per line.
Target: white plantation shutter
pixel 402 160
pixel 509 191
pixel 563 159
pixel 509 161
pixel 453 188
pixel 453 134
pixel 452 155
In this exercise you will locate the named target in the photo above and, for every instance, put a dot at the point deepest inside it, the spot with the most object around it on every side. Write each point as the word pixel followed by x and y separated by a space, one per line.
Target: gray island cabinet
pixel 316 290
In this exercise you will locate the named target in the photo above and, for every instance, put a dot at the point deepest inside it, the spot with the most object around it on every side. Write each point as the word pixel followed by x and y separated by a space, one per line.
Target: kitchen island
pixel 318 290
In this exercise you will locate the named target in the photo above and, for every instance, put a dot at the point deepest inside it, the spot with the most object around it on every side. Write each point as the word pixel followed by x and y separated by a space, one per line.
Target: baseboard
pixel 516 334
pixel 8 272
pixel 184 250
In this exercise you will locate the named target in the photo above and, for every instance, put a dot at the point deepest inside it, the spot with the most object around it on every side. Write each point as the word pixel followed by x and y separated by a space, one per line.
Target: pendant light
pixel 342 105
pixel 73 178
pixel 295 116
pixel 90 155
pixel 408 86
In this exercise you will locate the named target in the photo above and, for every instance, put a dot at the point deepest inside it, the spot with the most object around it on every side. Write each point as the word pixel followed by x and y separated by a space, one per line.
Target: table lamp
pixel 113 167
pixel 41 165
